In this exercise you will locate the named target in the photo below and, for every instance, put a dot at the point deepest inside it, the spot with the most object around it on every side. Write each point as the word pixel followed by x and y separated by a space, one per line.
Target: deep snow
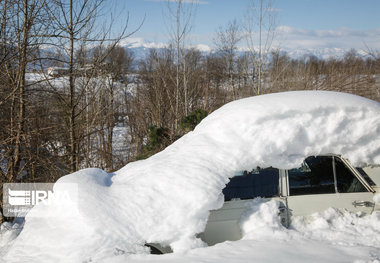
pixel 330 236
pixel 166 198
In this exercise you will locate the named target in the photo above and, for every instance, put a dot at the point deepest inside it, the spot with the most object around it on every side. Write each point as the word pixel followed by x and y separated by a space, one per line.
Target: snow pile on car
pixel 262 221
pixel 330 236
pixel 166 198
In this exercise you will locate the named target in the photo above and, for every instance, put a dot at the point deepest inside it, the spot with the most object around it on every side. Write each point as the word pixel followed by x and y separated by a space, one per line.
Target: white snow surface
pixel 166 199
pixel 330 236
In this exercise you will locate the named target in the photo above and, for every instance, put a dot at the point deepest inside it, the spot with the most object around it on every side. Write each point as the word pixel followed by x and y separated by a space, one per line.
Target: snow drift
pixel 166 198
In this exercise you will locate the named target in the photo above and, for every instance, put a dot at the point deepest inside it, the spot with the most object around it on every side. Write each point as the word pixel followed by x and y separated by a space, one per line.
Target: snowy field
pixel 166 199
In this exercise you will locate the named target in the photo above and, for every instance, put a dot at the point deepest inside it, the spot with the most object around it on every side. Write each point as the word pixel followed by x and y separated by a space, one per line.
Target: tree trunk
pixel 73 140
pixel 21 92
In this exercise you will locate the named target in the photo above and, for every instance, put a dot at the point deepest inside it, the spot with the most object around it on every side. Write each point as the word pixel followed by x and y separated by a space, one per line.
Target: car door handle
pixel 363 203
pixel 284 209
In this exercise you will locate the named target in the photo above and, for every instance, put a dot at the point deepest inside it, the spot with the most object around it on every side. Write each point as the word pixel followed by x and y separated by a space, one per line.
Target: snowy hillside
pixel 166 199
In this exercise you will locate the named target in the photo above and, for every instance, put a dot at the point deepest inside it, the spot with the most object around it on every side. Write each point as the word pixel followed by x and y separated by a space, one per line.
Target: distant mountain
pixel 322 53
pixel 141 47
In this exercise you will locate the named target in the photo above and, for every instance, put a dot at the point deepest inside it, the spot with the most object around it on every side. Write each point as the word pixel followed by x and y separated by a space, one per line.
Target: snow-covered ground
pixel 167 198
pixel 330 236
pixel 121 143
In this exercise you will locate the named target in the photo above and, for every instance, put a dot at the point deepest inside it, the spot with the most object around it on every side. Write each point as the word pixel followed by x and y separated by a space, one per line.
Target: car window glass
pixel 256 183
pixel 346 180
pixel 315 176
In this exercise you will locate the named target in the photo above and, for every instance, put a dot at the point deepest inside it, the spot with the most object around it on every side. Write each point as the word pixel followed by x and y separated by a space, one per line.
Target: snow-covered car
pixel 319 183
pixel 167 198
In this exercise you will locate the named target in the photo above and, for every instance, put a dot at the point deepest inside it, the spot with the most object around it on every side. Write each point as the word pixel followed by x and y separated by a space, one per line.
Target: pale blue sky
pixel 303 23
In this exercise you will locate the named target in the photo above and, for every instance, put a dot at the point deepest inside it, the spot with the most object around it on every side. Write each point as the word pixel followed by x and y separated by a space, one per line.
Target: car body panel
pixel 224 224
pixel 226 218
pixel 303 205
pixel 374 173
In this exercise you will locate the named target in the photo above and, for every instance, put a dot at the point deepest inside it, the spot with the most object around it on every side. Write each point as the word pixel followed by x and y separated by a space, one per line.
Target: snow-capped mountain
pixel 323 53
pixel 141 48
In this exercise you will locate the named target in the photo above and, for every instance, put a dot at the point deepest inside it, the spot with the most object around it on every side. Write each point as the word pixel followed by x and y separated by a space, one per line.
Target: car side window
pixel 257 183
pixel 346 180
pixel 315 176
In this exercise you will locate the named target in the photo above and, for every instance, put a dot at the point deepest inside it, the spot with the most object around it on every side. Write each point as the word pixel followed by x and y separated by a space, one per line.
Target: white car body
pixel 223 224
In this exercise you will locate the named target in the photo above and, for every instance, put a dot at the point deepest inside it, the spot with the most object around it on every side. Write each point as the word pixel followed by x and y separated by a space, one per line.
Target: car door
pixel 327 181
pixel 224 224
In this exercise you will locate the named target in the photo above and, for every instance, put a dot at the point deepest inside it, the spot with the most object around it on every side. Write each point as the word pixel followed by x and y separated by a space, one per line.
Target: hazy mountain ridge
pixel 141 48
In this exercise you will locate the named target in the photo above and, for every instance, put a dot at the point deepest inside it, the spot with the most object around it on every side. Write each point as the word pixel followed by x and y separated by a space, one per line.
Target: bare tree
pixel 260 23
pixel 279 72
pixel 20 22
pixel 180 14
pixel 226 42
pixel 116 66
pixel 75 25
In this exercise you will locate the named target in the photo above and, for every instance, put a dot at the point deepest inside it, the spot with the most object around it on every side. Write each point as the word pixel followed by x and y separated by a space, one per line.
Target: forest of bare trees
pixel 55 123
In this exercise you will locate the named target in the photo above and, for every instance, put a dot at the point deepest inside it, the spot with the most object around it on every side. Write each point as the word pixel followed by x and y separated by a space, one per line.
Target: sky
pixel 301 24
